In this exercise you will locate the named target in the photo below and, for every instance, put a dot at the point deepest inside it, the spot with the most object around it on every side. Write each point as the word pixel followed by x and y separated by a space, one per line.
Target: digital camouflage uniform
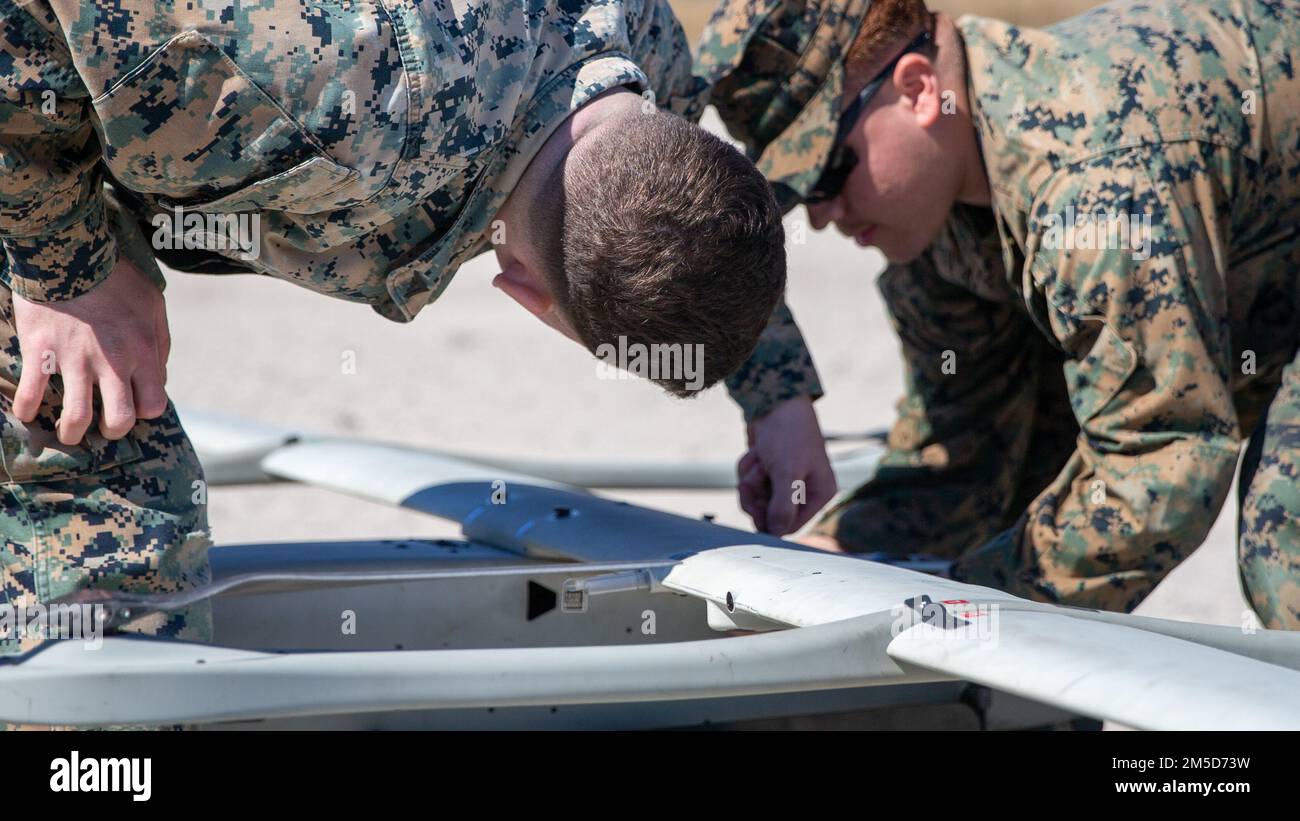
pixel 376 143
pixel 1085 433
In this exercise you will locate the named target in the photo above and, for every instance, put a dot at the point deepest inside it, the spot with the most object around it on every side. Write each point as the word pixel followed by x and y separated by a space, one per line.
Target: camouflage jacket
pixel 375 142
pixel 1183 120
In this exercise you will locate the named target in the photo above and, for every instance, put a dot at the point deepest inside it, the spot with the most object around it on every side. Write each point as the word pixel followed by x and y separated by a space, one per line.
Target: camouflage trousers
pixel 966 513
pixel 123 515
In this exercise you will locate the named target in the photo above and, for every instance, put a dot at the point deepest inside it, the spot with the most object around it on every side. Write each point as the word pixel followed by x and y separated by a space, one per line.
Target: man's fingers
pixel 750 498
pixel 801 513
pixel 147 389
pixel 31 389
pixel 754 475
pixel 821 542
pixel 781 507
pixel 821 489
pixel 752 501
pixel 78 405
pixel 117 412
pixel 745 464
pixel 753 494
pixel 164 340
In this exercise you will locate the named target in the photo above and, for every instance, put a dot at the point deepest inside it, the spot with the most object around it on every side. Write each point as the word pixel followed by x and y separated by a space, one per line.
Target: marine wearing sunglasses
pixel 843 159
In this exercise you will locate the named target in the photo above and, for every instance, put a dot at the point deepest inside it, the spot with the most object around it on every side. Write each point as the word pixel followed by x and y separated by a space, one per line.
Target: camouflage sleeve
pixel 660 48
pixel 780 368
pixel 133 242
pixel 1148 377
pixel 54 229
pixel 964 427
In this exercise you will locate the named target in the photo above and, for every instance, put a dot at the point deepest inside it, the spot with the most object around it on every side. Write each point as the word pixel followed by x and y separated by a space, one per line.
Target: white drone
pixel 560 608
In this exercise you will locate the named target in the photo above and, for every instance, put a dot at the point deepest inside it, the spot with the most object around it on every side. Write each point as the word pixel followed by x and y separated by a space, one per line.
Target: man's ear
pixel 917 82
pixel 528 289
pixel 524 287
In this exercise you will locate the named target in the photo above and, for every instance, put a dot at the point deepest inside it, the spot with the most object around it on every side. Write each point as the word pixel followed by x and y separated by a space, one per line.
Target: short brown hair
pixel 888 25
pixel 666 235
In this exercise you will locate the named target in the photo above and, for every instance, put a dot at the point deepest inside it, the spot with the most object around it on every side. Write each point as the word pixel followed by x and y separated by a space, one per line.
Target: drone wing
pixel 1143 672
pixel 1110 671
pixel 233 450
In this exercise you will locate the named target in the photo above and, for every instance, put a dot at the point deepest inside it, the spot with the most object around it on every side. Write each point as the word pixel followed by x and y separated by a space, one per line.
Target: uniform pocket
pixel 190 126
pixel 307 188
pixel 1094 379
pixel 33 453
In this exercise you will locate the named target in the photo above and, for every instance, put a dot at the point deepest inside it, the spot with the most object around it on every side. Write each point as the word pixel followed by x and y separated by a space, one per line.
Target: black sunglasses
pixel 843 159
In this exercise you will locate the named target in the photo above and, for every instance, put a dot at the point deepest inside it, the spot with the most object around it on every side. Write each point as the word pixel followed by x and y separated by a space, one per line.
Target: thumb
pixel 163 338
pixel 780 508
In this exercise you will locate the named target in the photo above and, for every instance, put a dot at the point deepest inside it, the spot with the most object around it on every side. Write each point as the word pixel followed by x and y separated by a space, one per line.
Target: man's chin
pixel 898 251
pixel 893 254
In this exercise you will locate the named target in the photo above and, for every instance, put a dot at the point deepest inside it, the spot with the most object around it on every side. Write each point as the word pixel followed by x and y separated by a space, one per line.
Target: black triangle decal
pixel 540 600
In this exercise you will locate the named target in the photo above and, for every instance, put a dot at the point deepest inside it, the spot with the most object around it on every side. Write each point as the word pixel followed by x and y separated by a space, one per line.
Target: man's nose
pixel 822 214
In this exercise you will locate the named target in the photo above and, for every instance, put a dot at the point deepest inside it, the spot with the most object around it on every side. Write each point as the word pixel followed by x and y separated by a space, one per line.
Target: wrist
pixel 795 407
pixel 63 263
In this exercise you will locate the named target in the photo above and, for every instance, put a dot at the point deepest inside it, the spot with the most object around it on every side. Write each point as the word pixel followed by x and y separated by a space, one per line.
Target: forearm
pixel 55 232
pixel 1110 527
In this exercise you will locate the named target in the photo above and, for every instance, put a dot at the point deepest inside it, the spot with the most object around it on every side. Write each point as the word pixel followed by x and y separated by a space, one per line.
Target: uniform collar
pixel 1016 158
pixel 410 287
